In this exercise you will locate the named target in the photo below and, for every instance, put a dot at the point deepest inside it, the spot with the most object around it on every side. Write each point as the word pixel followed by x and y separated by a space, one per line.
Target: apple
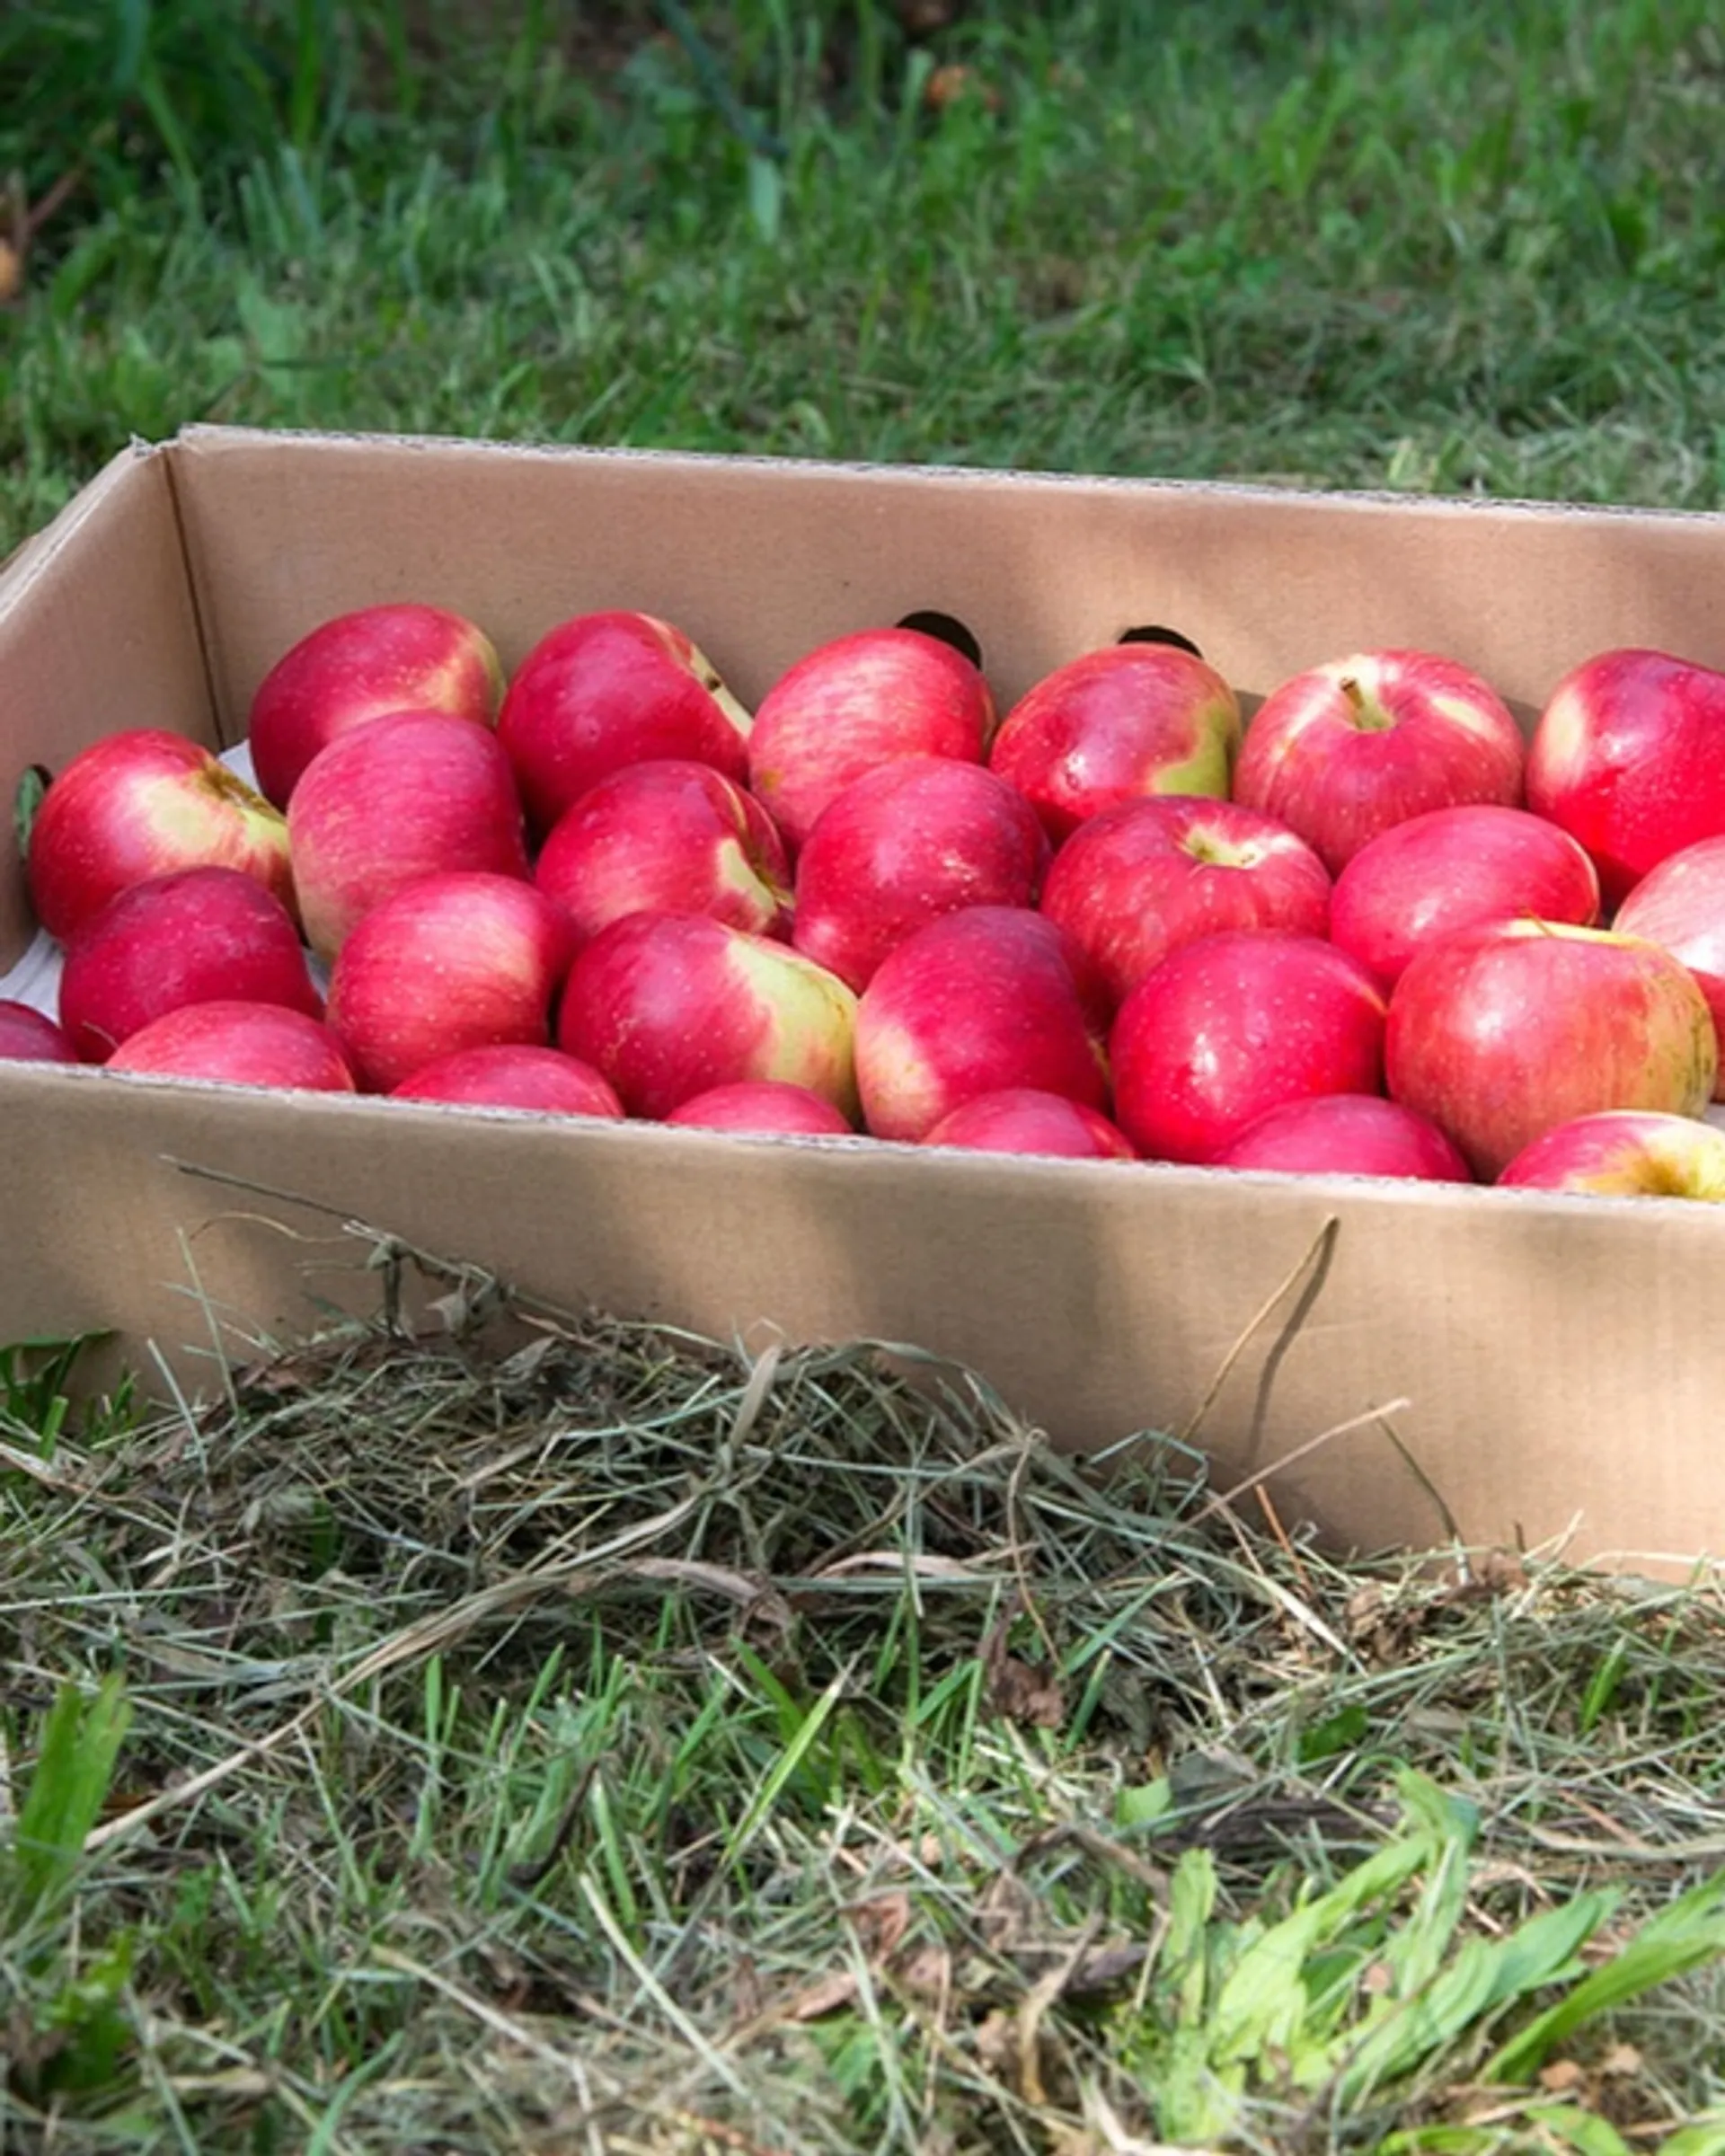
pixel 511 1074
pixel 408 794
pixel 238 1044
pixel 1501 1032
pixel 1453 868
pixel 30 1036
pixel 1137 881
pixel 1680 905
pixel 670 837
pixel 669 1005
pixel 763 1104
pixel 1629 758
pixel 1347 1133
pixel 459 960
pixel 604 690
pixel 200 936
pixel 1346 749
pixel 1235 1024
pixel 348 671
pixel 974 1003
pixel 1624 1153
pixel 905 842
pixel 1023 1119
pixel 856 703
pixel 144 803
pixel 1114 725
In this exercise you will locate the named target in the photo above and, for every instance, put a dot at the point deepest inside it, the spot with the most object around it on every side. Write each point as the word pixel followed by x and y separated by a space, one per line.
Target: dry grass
pixel 567 1735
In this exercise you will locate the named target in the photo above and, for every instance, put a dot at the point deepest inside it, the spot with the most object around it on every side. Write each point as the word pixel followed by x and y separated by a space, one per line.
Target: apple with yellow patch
pixel 1624 1153
pixel 1116 725
pixel 1629 758
pixel 667 1006
pixel 397 656
pixel 1344 751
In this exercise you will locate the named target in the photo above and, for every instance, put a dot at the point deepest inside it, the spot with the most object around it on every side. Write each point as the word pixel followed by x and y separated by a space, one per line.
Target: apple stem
pixel 1366 712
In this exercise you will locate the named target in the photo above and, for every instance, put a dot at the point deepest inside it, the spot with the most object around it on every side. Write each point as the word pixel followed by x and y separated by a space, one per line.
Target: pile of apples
pixel 1364 932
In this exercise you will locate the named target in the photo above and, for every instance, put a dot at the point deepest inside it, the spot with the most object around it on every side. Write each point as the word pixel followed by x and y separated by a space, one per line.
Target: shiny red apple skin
pixel 200 936
pixel 1345 750
pixel 461 960
pixel 1680 905
pixel 1624 1153
pixel 1023 1119
pixel 144 803
pixel 976 1001
pixel 1454 868
pixel 30 1036
pixel 763 1105
pixel 670 836
pixel 604 690
pixel 1500 1033
pixel 238 1044
pixel 854 703
pixel 669 1005
pixel 1137 881
pixel 407 795
pixel 905 842
pixel 1115 725
pixel 397 657
pixel 512 1075
pixel 1347 1133
pixel 1235 1024
pixel 1628 757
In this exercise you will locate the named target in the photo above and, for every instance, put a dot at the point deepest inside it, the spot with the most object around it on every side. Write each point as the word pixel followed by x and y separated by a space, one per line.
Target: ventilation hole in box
pixel 948 628
pixel 1154 632
pixel 26 799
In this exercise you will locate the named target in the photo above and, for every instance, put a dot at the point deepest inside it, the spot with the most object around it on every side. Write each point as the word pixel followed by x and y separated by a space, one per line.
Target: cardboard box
pixel 1518 1367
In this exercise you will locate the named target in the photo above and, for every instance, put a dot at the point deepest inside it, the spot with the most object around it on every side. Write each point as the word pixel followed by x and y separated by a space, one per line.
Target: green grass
pixel 606 1742
pixel 1436 248
pixel 448 1746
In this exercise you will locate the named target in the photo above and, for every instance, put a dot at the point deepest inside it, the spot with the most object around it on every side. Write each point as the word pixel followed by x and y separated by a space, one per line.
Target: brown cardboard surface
pixel 1556 1359
pixel 1547 1363
pixel 97 632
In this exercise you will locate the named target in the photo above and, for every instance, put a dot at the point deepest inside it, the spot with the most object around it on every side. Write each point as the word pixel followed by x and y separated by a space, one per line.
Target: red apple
pixel 1233 1025
pixel 1453 868
pixel 854 703
pixel 763 1104
pixel 671 838
pixel 512 1075
pixel 1022 1119
pixel 204 935
pixel 668 1006
pixel 1629 758
pixel 238 1044
pixel 1137 881
pixel 975 1003
pixel 914 839
pixel 453 961
pixel 1346 749
pixel 605 689
pixel 360 666
pixel 144 803
pixel 1680 905
pixel 1115 725
pixel 408 794
pixel 1347 1133
pixel 30 1036
pixel 1500 1033
pixel 1624 1153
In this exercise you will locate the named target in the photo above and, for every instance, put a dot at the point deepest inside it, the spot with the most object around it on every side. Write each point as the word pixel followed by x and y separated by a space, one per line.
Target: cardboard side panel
pixel 97 634
pixel 761 560
pixel 1101 1300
